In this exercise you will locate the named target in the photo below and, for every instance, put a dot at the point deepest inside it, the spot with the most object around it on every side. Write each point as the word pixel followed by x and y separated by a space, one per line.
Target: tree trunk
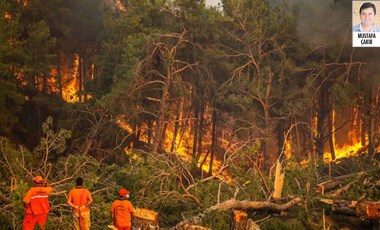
pixel 322 113
pixel 158 134
pixel 279 181
pixel 195 128
pixel 239 220
pixel 59 75
pixel 176 126
pixel 150 131
pixel 80 76
pixel 200 132
pixel 331 135
pixel 254 205
pixel 214 139
pixel 335 182
pixel 371 148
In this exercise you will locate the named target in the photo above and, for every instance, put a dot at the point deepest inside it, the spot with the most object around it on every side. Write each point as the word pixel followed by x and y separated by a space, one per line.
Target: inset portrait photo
pixel 365 24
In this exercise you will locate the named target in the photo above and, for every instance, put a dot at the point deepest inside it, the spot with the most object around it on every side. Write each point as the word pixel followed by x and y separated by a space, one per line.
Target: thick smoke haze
pixel 324 21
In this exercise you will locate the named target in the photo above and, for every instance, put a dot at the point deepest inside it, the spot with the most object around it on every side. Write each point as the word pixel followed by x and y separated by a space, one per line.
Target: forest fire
pixel 344 151
pixel 351 148
pixel 70 89
pixel 182 145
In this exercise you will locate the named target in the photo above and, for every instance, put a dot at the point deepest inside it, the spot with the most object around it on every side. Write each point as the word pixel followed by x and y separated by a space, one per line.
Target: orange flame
pixel 69 91
pixel 183 145
pixel 120 5
pixel 8 16
pixel 354 144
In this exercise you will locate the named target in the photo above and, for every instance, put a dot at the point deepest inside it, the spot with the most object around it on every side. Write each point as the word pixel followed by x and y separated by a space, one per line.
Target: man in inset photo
pixel 367 15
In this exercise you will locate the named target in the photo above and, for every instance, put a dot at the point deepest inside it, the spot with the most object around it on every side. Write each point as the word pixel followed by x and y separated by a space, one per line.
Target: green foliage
pixel 301 180
pixel 38 52
pixel 278 224
pixel 13 161
pixel 11 102
pixel 51 143
pixel 217 220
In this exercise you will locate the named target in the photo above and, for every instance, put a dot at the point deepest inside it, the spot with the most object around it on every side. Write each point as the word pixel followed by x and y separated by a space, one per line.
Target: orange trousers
pixel 82 222
pixel 30 221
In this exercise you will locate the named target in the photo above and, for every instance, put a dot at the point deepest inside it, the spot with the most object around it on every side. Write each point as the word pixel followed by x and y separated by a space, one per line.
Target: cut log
pixel 239 220
pixel 368 210
pixel 145 219
pixel 344 206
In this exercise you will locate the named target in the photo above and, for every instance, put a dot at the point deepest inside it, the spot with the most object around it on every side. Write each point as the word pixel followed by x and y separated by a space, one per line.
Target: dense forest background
pixel 185 105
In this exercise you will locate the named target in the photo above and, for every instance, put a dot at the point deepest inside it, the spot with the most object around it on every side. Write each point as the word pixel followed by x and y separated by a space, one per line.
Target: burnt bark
pixel 331 135
pixel 176 126
pixel 200 130
pixel 371 148
pixel 321 117
pixel 196 130
pixel 214 139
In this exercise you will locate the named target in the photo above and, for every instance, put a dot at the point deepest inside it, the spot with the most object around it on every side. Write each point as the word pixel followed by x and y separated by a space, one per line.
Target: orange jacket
pixel 121 212
pixel 80 197
pixel 36 200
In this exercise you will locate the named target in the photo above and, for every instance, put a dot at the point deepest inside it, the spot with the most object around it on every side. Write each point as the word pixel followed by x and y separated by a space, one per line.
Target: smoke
pixel 324 21
pixel 329 22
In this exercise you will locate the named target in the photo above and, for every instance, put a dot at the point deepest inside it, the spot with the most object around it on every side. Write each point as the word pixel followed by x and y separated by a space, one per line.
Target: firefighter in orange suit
pixel 122 210
pixel 79 200
pixel 36 204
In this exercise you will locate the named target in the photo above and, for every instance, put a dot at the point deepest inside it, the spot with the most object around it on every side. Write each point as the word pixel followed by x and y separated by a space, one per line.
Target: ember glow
pixel 119 5
pixel 8 16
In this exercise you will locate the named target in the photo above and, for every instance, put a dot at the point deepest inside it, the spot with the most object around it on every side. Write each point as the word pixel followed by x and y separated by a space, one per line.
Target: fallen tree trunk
pixel 278 181
pixel 233 204
pixel 335 182
pixel 344 206
pixel 341 190
pixel 256 205
pixel 341 206
pixel 327 185
pixel 369 210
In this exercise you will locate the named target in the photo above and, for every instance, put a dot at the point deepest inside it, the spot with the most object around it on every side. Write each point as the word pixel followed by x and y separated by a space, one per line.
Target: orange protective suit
pixel 36 206
pixel 81 216
pixel 121 212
